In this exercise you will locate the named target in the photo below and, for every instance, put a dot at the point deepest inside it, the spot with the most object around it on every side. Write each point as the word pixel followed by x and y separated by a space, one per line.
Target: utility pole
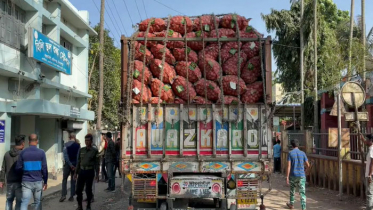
pixel 101 67
pixel 340 178
pixel 363 36
pixel 315 102
pixel 301 63
pixel 351 36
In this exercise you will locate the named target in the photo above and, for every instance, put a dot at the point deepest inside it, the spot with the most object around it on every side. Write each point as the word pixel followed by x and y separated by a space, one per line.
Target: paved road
pixel 317 198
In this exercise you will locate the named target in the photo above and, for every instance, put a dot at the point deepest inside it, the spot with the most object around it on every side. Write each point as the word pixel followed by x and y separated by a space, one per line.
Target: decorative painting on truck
pixel 172 131
pixel 221 130
pixel 189 136
pixel 140 127
pixel 157 126
pixel 205 130
pixel 252 120
pixel 236 124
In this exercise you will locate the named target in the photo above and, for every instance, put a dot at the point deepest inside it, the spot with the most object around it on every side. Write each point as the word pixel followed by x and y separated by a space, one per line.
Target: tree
pixel 111 79
pixel 332 46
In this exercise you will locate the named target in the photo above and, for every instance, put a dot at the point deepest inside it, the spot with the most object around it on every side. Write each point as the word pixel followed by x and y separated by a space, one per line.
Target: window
pixel 12 27
pixel 66 44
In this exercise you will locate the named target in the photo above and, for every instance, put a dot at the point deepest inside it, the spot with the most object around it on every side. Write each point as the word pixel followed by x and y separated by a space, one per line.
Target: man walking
pixel 295 174
pixel 277 156
pixel 101 152
pixel 70 154
pixel 33 163
pixel 88 164
pixel 9 173
pixel 110 159
pixel 117 162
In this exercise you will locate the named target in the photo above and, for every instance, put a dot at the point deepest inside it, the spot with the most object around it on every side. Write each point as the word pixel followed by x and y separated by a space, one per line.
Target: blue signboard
pixel 49 52
pixel 2 131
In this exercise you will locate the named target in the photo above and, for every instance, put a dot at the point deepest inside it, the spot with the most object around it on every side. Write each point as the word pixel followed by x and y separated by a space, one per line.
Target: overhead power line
pixel 170 8
pixel 138 9
pixel 129 14
pixel 124 28
pixel 111 16
pixel 145 9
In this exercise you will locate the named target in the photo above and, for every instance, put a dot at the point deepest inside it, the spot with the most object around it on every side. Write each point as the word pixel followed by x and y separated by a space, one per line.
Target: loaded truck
pixel 196 113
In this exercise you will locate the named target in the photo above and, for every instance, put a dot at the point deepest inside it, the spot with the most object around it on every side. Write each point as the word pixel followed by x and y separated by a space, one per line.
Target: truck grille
pixel 247 188
pixel 144 188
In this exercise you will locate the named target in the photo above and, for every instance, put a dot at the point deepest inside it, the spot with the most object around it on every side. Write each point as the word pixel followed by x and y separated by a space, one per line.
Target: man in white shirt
pixel 369 171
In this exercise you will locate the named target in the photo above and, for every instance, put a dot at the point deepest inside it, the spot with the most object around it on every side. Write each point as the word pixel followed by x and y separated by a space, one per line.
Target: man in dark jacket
pixel 110 159
pixel 13 179
pixel 70 154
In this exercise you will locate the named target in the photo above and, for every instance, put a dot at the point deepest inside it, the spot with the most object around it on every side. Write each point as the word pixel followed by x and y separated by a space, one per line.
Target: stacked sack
pixel 194 68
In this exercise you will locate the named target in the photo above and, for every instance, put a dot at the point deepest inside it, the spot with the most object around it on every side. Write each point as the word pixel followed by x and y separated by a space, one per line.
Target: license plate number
pixel 247 201
pixel 146 200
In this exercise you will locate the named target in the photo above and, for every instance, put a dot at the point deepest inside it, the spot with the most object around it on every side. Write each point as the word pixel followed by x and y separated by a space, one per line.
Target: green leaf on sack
pixel 211 64
pixel 170 32
pixel 162 50
pixel 211 87
pixel 166 87
pixel 198 33
pixel 179 88
pixel 188 50
pixel 240 61
pixel 183 21
pixel 232 51
pixel 192 66
pixel 249 29
pixel 136 73
pixel 233 24
pixel 250 66
pixel 207 27
pixel 142 48
pixel 152 22
pixel 234 102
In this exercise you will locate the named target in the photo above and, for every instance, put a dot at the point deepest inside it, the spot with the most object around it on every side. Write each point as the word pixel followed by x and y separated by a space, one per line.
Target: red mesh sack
pixel 211 67
pixel 253 94
pixel 229 100
pixel 156 25
pixel 158 50
pixel 166 93
pixel 231 85
pixel 207 23
pixel 254 63
pixel 230 21
pixel 223 32
pixel 148 43
pixel 140 50
pixel 194 72
pixel 177 24
pixel 179 54
pixel 169 73
pixel 201 100
pixel 137 72
pixel 179 101
pixel 179 86
pixel 250 32
pixel 251 49
pixel 171 34
pixel 211 51
pixel 196 45
pixel 228 50
pixel 250 76
pixel 135 101
pixel 230 66
pixel 155 100
pixel 211 88
pixel 136 92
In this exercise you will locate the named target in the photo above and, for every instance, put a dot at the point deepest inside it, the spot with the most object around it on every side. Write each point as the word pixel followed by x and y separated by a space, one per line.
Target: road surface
pixel 317 198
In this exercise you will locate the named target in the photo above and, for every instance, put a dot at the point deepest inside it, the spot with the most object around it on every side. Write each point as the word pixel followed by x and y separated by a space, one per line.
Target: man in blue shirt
pixel 70 154
pixel 33 163
pixel 277 156
pixel 295 174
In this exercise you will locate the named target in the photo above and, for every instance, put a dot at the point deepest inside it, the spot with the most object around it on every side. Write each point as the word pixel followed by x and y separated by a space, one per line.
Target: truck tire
pixel 233 207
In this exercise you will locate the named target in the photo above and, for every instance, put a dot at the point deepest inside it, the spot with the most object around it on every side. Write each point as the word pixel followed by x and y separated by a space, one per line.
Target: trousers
pixel 34 189
pixel 67 171
pixel 111 175
pixel 369 192
pixel 85 179
pixel 13 191
pixel 299 182
pixel 277 164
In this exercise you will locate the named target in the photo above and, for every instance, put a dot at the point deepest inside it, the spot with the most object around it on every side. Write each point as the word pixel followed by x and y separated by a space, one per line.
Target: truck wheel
pixel 233 207
pixel 163 206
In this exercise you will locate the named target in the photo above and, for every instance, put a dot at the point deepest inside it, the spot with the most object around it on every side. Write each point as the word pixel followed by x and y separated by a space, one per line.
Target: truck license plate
pixel 246 203
pixel 150 200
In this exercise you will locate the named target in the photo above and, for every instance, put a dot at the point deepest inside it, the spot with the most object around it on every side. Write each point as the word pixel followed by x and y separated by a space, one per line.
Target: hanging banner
pixel 2 131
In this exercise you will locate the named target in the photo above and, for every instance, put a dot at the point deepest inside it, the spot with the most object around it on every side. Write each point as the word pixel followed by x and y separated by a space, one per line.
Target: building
pixel 44 48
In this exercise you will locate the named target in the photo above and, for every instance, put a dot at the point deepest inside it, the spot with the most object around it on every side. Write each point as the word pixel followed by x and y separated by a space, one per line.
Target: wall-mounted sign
pixel 74 112
pixel 2 131
pixel 49 52
pixel 333 137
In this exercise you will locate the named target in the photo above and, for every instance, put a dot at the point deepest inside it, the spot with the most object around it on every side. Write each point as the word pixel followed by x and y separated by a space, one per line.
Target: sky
pixel 119 21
